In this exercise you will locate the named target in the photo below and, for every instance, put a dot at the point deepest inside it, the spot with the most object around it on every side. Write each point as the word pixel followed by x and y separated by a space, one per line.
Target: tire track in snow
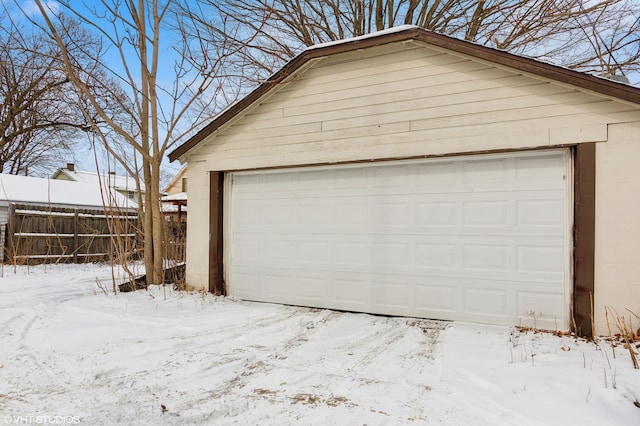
pixel 234 395
pixel 313 326
pixel 228 333
pixel 6 326
pixel 390 337
pixel 231 368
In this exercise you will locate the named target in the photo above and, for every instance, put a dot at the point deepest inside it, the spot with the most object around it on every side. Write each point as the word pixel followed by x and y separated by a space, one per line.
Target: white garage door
pixel 476 238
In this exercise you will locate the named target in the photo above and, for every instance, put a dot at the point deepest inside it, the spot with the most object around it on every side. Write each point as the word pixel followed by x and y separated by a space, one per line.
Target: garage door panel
pixel 540 213
pixel 437 175
pixel 350 290
pixel 278 182
pixel 245 250
pixel 486 257
pixel 436 214
pixel 313 287
pixel 247 184
pixel 437 256
pixel 317 215
pixel 247 285
pixel 351 215
pixel 313 252
pixel 277 285
pixel 540 308
pixel 354 254
pixel 392 292
pixel 396 214
pixel 430 298
pixel 469 238
pixel 391 177
pixel 540 259
pixel 350 179
pixel 479 171
pixel 540 168
pixel 274 251
pixel 496 258
pixel 313 181
pixel 246 216
pixel 392 254
pixel 485 213
pixel 486 302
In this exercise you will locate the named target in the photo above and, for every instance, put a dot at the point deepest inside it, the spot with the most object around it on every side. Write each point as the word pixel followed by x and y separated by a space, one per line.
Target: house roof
pixel 119 182
pixel 58 193
pixel 177 197
pixel 545 70
pixel 176 179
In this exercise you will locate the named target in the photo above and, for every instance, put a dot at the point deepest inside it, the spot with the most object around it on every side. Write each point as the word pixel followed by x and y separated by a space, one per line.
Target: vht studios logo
pixel 41 420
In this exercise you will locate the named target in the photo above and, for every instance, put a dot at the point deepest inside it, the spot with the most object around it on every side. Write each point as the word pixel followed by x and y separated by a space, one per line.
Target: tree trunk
pixel 158 228
pixel 148 224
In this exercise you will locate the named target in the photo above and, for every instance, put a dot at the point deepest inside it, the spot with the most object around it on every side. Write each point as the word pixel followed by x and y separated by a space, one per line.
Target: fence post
pixel 11 243
pixel 75 236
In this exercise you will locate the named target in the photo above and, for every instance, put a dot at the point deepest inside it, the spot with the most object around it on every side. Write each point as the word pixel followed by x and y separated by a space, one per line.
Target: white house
pixel 174 202
pixel 410 173
pixel 39 192
pixel 125 185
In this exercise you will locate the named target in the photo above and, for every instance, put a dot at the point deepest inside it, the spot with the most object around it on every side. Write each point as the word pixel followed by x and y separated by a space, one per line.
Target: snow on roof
pixel 326 44
pixel 172 208
pixel 32 190
pixel 180 196
pixel 363 37
pixel 120 182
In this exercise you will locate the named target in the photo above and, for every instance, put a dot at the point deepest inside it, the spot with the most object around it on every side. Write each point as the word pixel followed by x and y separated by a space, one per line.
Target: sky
pixel 84 156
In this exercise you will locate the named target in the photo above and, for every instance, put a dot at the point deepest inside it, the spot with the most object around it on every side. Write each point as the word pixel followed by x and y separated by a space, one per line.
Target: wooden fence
pixel 48 234
pixel 176 238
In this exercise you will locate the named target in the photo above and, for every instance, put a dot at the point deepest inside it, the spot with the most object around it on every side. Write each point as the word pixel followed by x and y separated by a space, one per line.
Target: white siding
pixel 197 273
pixel 411 102
pixel 617 254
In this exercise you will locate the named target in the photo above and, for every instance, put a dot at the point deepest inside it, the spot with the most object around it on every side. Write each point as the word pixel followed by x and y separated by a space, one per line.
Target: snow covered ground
pixel 71 353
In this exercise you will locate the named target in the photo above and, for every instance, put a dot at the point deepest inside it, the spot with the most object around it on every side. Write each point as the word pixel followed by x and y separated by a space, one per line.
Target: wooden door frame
pixel 584 225
pixel 216 236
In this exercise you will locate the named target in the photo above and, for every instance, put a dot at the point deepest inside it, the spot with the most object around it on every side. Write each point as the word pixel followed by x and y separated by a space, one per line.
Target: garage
pixel 480 238
pixel 410 173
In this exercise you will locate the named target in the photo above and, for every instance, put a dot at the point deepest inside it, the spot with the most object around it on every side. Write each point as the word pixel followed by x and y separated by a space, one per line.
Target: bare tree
pixel 172 86
pixel 600 36
pixel 39 117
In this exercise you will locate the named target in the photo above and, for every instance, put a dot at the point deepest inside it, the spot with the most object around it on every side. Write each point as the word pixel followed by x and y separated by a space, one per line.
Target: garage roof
pixel 412 33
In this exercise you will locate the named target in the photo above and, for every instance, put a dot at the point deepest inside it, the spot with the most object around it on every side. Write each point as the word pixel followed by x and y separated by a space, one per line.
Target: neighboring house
pixel 178 183
pixel 125 185
pixel 410 173
pixel 39 192
pixel 174 202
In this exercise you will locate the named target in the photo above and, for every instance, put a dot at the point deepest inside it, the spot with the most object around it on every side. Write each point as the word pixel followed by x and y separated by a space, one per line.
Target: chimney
pixel 71 167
